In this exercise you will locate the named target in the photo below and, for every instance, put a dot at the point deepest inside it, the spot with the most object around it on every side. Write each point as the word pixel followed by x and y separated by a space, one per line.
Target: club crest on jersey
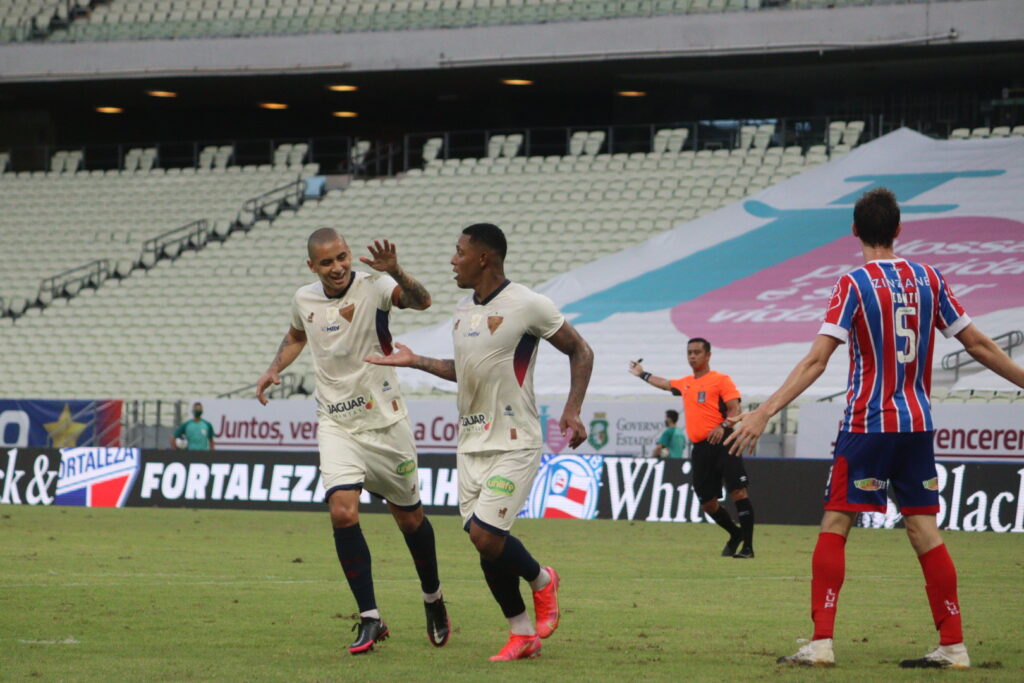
pixel 347 311
pixel 871 484
pixel 494 322
pixel 474 424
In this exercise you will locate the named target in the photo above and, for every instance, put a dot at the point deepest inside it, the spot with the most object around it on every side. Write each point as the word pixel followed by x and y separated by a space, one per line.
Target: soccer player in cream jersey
pixel 496 332
pixel 364 436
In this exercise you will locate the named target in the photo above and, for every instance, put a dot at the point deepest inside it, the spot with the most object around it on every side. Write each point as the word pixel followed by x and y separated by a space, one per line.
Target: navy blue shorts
pixel 866 465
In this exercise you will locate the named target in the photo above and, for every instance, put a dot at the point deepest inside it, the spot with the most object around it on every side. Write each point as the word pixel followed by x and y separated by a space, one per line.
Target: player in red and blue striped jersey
pixel 886 311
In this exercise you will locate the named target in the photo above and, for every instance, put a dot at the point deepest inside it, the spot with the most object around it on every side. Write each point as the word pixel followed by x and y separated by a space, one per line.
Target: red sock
pixel 828 569
pixel 940 584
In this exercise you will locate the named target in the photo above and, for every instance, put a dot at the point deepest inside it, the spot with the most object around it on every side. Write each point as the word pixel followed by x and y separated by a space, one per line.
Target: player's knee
pixel 709 506
pixel 738 494
pixel 409 520
pixel 342 514
pixel 486 543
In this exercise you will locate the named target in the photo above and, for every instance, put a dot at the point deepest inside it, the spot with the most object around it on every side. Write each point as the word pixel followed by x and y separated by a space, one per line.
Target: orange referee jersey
pixel 704 402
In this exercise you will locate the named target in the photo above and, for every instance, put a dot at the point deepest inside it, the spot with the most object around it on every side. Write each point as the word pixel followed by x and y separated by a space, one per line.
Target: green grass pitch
pixel 147 594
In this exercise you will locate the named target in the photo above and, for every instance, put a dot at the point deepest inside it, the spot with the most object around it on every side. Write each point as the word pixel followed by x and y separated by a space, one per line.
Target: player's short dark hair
pixel 320 237
pixel 877 216
pixel 702 341
pixel 489 235
pixel 672 415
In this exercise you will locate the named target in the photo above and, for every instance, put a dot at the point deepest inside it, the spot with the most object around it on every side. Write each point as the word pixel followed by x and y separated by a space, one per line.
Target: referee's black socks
pixel 722 519
pixel 745 512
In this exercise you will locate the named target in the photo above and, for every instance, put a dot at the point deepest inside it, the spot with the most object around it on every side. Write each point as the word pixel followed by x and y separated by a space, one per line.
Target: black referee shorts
pixel 712 465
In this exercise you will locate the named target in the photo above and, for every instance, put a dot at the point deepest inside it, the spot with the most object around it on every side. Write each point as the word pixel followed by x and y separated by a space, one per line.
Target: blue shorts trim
pixel 866 466
pixel 483 525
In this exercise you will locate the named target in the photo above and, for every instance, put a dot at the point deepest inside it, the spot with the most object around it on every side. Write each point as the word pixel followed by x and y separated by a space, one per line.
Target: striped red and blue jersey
pixel 887 310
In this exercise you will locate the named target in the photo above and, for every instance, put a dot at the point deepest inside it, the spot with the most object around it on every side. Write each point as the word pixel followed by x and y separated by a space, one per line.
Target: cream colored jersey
pixel 495 350
pixel 341 332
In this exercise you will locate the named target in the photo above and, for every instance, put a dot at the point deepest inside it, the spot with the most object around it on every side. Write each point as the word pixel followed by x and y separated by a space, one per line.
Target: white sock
pixel 370 614
pixel 432 597
pixel 542 580
pixel 521 625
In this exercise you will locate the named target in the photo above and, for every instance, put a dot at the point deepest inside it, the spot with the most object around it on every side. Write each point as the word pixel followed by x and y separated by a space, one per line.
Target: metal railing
pixel 958 359
pixel 93 273
pixel 270 203
pixel 291 384
pixel 194 235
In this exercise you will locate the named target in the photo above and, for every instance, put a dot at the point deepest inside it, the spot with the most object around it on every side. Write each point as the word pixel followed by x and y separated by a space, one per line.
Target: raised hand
pixel 635 368
pixel 384 256
pixel 401 357
pixel 748 428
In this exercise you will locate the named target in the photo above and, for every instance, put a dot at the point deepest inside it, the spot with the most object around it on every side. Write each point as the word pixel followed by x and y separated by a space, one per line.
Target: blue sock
pixel 354 556
pixel 516 559
pixel 504 587
pixel 424 556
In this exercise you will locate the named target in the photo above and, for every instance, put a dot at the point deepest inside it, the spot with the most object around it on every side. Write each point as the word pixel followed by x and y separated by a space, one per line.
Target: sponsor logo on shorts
pixel 309 318
pixel 871 484
pixel 501 485
pixel 406 468
pixel 343 407
pixel 502 512
pixel 931 484
pixel 474 424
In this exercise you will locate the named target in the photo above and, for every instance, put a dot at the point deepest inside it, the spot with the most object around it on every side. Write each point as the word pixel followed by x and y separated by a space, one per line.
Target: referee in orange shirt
pixel 708 398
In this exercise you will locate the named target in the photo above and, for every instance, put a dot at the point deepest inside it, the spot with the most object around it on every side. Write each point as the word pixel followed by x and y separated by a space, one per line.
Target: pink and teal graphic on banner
pixel 982 258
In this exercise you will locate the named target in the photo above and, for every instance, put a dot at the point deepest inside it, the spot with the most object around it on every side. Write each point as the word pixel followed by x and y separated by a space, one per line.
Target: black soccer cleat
pixel 439 627
pixel 745 553
pixel 370 631
pixel 732 545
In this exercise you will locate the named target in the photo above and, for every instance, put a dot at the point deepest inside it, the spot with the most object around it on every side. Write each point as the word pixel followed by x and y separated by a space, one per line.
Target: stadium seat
pixel 960 134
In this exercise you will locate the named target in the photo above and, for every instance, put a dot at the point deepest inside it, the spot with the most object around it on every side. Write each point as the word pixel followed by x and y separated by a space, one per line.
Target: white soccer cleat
pixel 943 657
pixel 814 653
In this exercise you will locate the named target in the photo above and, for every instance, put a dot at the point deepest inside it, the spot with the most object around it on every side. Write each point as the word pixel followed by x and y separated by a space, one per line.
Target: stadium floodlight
pixel 110 110
pixel 273 105
pixel 631 93
pixel 161 93
pixel 516 81
pixel 345 114
pixel 340 87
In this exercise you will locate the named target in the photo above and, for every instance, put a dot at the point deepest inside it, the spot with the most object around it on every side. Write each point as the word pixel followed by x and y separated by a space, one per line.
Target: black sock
pixel 745 511
pixel 354 556
pixel 504 587
pixel 517 560
pixel 722 519
pixel 424 556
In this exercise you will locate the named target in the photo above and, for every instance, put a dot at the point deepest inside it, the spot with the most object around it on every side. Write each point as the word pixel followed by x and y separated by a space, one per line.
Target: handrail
pixel 829 398
pixel 198 229
pixel 291 383
pixel 955 360
pixel 254 208
pixel 97 271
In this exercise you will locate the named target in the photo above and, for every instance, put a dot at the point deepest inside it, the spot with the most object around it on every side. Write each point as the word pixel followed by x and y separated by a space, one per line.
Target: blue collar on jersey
pixel 493 294
pixel 351 281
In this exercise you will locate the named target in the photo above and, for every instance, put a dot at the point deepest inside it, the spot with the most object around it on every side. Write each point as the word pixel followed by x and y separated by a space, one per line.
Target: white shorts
pixel 382 461
pixel 493 487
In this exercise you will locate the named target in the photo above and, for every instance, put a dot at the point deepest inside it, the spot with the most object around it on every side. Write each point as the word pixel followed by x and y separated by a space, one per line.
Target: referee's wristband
pixel 645 376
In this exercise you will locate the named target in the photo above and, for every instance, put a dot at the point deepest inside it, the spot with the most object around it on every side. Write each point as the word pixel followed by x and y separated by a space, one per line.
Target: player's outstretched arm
pixel 410 294
pixel 581 364
pixel 636 369
pixel 403 357
pixel 750 425
pixel 988 353
pixel 291 346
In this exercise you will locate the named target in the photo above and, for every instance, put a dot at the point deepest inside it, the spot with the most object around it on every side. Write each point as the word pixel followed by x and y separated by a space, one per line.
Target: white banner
pixel 962 432
pixel 613 427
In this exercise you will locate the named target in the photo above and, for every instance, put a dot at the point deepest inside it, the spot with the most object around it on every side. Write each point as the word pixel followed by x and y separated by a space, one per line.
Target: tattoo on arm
pixel 443 368
pixel 414 294
pixel 287 352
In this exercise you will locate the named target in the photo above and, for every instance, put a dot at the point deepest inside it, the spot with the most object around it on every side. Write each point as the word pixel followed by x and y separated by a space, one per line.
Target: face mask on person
pixel 198 412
